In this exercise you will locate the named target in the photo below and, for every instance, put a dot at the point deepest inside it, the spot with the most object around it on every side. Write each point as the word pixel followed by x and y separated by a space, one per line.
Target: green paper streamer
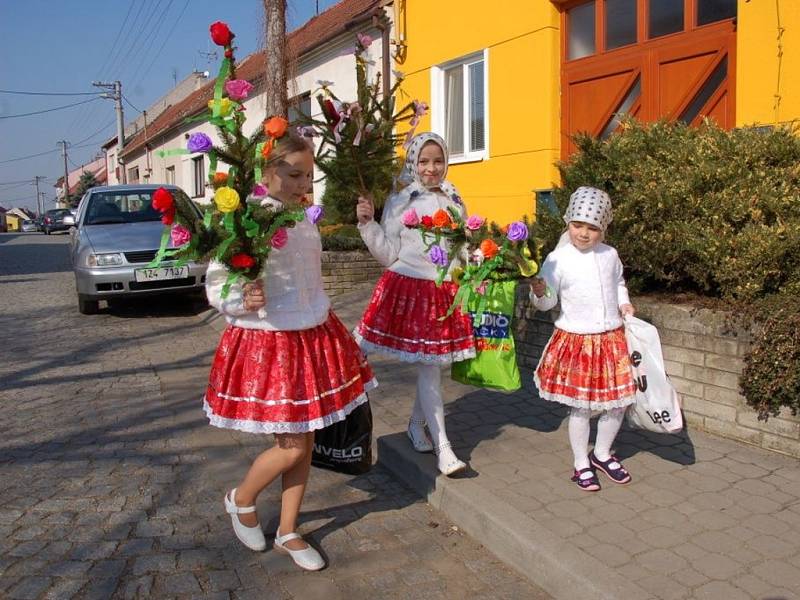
pixel 175 152
pixel 227 221
pixel 162 249
pixel 226 287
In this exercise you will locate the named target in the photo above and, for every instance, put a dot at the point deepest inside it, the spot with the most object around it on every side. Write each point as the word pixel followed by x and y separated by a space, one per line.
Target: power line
pixel 167 38
pixel 39 112
pixel 2 162
pixel 48 93
pixel 152 34
pixel 124 97
pixel 103 128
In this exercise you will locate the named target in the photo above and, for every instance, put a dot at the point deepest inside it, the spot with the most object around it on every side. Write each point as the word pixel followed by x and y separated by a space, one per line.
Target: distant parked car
pixel 117 234
pixel 54 220
pixel 29 226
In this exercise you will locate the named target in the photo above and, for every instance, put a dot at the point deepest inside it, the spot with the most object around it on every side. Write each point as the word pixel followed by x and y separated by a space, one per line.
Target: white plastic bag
pixel 656 408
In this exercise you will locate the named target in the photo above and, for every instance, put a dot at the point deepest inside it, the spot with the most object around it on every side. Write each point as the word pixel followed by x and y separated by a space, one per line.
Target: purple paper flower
pixel 238 89
pixel 199 142
pixel 438 256
pixel 517 231
pixel 314 213
pixel 457 199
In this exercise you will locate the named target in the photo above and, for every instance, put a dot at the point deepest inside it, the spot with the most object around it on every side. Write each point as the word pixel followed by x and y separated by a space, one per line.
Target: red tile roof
pixel 312 34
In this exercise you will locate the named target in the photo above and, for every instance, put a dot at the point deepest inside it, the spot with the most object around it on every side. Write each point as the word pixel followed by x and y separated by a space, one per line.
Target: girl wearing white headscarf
pixel 585 365
pixel 402 319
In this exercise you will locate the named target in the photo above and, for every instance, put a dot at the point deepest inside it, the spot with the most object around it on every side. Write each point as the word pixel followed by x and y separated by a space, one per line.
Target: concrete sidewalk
pixel 703 518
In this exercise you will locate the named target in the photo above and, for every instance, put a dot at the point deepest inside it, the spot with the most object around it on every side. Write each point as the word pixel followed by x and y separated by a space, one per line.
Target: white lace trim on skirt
pixel 287 427
pixel 413 357
pixel 576 403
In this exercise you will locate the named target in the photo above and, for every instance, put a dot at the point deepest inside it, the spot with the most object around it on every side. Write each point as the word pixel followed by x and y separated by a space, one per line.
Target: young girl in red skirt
pixel 402 319
pixel 585 364
pixel 285 364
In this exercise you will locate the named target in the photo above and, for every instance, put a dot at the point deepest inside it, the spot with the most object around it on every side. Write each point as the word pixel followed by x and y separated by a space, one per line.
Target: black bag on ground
pixel 346 446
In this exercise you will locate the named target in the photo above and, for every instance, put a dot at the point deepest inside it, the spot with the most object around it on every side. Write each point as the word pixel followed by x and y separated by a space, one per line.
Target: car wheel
pixel 87 306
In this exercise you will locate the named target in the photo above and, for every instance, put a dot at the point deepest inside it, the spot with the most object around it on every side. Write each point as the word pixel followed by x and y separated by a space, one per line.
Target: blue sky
pixel 63 46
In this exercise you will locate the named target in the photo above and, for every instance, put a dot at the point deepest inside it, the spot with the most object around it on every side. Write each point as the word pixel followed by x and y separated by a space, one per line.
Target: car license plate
pixel 161 273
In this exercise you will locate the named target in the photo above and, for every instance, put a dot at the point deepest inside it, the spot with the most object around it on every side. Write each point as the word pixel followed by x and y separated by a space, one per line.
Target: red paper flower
pixel 168 217
pixel 242 261
pixel 331 114
pixel 221 34
pixel 163 200
pixel 229 53
pixel 427 221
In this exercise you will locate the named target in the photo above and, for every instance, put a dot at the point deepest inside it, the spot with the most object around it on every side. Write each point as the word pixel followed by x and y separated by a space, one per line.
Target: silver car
pixel 114 237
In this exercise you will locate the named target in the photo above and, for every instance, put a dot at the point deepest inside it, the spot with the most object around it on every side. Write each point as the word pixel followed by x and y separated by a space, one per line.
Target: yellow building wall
pixel 767 66
pixel 522 39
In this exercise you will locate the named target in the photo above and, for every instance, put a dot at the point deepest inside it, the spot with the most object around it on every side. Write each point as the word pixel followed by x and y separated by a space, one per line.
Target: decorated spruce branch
pixel 236 229
pixel 359 139
pixel 492 252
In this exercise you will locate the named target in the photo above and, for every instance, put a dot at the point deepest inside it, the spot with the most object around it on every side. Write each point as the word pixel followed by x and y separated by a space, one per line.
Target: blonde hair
pixel 285 145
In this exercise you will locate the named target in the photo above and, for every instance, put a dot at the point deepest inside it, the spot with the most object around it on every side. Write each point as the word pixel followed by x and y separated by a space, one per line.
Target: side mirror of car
pixel 69 220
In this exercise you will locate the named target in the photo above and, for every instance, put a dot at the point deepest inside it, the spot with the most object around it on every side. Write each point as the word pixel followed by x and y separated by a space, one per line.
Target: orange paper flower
pixel 441 218
pixel 275 127
pixel 489 248
pixel 266 149
pixel 220 178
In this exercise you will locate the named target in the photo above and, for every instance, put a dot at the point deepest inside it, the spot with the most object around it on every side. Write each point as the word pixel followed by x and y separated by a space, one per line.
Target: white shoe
pixel 252 537
pixel 419 439
pixel 447 462
pixel 307 558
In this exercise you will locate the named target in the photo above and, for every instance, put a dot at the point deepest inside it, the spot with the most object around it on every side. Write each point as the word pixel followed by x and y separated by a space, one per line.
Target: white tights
pixel 429 407
pixel 607 428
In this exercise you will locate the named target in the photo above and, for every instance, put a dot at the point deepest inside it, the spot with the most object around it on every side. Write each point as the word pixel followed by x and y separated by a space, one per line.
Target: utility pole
pixel 66 172
pixel 38 194
pixel 116 95
pixel 41 202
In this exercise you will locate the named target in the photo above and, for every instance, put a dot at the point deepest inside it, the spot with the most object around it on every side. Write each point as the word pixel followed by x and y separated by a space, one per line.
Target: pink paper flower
pixel 410 218
pixel 364 39
pixel 179 235
pixel 238 89
pixel 475 222
pixel 279 239
pixel 259 190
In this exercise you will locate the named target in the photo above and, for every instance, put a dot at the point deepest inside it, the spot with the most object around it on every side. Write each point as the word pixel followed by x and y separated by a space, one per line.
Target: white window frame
pixel 438 109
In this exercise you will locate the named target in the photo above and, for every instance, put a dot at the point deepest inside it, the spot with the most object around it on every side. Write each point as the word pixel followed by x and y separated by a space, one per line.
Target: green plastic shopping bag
pixel 495 365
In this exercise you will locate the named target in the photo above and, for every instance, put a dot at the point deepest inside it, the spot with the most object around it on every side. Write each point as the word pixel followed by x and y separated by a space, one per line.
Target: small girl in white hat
pixel 585 365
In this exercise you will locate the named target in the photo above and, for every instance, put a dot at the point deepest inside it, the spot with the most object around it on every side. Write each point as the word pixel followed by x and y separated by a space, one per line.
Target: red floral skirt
pixel 402 320
pixel 286 381
pixel 587 370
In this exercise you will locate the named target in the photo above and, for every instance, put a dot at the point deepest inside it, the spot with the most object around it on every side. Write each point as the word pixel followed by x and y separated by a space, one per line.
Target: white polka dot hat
pixel 589 205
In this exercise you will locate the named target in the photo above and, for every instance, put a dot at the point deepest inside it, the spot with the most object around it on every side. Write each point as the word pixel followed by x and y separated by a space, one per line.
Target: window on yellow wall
pixel 459 107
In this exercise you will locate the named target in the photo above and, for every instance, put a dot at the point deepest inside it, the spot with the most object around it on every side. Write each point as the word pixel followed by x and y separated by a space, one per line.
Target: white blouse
pixel 590 286
pixel 400 248
pixel 292 277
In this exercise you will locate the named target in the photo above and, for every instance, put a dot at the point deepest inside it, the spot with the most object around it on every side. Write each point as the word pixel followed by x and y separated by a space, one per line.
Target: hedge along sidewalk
pixel 704 517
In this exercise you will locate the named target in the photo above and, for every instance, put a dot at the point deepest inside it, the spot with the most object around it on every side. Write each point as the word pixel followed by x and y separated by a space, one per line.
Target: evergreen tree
pixel 86 181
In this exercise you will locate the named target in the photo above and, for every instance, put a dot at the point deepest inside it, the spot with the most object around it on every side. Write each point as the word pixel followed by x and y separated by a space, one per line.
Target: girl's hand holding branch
pixel 253 295
pixel 365 210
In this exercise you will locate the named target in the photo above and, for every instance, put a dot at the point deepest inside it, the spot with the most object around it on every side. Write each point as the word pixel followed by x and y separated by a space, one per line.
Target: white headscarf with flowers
pixel 410 176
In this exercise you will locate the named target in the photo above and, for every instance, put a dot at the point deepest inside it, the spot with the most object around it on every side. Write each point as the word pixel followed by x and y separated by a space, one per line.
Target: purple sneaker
pixel 589 484
pixel 612 468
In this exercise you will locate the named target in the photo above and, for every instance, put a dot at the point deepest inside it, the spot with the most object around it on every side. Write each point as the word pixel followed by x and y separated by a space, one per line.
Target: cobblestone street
pixel 113 481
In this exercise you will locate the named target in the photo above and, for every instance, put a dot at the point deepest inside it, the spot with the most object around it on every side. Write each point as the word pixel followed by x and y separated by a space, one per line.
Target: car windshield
pixel 130 206
pixel 58 213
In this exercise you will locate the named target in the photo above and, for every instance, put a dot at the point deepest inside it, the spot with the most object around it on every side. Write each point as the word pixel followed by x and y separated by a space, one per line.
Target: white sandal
pixel 307 558
pixel 419 439
pixel 252 537
pixel 449 465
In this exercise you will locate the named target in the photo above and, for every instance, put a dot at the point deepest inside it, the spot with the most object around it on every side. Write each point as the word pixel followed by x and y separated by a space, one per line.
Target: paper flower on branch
pixel 199 142
pixel 226 199
pixel 315 213
pixel 517 231
pixel 238 89
pixel 238 234
pixel 221 35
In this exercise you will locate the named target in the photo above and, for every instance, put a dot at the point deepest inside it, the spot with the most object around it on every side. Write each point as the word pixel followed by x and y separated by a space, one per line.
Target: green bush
pixel 341 237
pixel 707 211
